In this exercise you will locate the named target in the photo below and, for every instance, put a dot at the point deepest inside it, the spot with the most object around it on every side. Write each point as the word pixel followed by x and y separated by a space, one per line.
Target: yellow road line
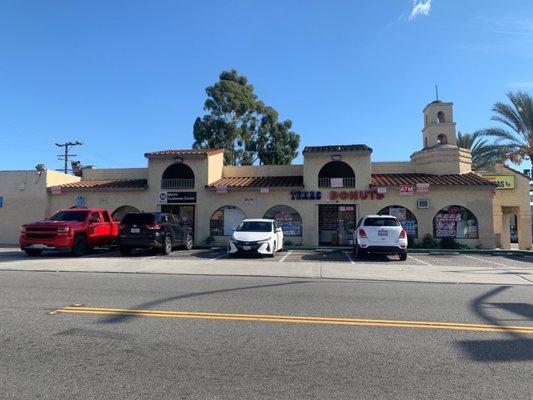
pixel 294 319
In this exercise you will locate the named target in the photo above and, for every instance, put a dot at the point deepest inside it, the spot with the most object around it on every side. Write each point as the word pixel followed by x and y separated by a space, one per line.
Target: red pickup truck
pixel 74 229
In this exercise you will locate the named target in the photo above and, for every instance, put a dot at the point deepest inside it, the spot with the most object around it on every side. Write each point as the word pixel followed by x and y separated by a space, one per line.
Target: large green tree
pixel 241 124
pixel 517 136
pixel 484 154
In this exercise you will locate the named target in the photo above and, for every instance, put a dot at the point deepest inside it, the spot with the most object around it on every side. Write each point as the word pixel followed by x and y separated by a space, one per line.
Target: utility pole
pixel 65 156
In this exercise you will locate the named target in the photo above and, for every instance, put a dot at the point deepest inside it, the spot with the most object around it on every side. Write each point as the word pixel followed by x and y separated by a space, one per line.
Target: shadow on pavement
pixel 515 348
pixel 143 306
pixel 502 350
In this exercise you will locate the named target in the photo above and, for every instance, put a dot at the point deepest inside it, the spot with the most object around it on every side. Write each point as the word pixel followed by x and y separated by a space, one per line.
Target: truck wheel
pixel 33 252
pixel 125 251
pixel 403 256
pixel 188 243
pixel 167 246
pixel 80 246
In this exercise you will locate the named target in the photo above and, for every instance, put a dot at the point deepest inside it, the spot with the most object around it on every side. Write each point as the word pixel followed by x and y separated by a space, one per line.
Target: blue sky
pixel 128 77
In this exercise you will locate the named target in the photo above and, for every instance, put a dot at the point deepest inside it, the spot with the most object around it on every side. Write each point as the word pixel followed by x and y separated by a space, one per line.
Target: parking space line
pixel 420 261
pixel 285 256
pixel 488 261
pixel 219 256
pixel 349 257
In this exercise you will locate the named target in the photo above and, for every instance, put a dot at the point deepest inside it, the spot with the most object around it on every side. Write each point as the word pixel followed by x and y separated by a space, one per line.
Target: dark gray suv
pixel 158 231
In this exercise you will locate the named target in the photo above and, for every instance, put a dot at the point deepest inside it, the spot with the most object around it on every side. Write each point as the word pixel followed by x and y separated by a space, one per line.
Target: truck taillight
pixel 403 234
pixel 362 233
pixel 153 227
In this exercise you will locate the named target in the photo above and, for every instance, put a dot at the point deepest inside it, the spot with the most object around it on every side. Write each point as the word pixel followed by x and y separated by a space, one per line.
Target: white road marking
pixel 420 261
pixel 285 256
pixel 349 257
pixel 489 261
pixel 219 256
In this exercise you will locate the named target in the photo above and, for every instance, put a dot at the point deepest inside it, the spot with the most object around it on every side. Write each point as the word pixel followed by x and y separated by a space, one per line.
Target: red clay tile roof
pixel 337 148
pixel 260 181
pixel 105 184
pixel 186 152
pixel 469 179
pixel 516 171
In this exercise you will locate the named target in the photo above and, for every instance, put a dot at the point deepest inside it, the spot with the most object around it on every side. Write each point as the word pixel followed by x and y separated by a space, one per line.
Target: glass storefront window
pixel 224 220
pixel 405 216
pixel 287 218
pixel 455 222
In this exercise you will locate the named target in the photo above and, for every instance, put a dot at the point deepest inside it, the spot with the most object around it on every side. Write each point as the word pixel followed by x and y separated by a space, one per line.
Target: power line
pixel 65 156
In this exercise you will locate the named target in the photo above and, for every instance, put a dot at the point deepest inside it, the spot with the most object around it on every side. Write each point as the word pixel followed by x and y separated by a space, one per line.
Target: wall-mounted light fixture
pixel 336 157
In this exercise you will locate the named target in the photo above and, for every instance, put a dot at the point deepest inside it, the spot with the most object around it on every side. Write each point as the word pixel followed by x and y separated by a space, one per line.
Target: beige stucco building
pixel 317 203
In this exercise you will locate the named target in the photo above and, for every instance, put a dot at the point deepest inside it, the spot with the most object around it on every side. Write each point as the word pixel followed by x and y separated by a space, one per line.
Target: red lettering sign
pixel 356 195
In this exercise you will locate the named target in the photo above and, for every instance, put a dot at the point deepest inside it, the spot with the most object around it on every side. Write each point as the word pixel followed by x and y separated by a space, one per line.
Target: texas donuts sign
pixel 338 195
pixel 356 195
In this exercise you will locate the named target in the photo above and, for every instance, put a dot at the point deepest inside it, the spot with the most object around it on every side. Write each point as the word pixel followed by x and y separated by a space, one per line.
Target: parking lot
pixel 295 256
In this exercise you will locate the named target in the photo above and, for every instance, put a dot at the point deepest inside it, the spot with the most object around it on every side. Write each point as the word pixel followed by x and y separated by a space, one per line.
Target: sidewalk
pixel 481 272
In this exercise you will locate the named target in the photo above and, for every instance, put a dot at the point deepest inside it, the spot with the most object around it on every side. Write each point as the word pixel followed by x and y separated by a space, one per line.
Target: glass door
pixel 184 212
pixel 336 224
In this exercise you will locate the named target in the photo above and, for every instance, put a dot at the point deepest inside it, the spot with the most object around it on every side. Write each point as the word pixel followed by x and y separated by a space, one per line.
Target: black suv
pixel 157 231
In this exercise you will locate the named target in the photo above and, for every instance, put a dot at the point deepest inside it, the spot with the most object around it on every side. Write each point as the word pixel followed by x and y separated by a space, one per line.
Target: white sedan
pixel 380 234
pixel 256 236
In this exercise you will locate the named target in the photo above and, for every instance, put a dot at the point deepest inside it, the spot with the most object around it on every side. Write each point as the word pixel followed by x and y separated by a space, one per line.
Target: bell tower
pixel 440 154
pixel 439 127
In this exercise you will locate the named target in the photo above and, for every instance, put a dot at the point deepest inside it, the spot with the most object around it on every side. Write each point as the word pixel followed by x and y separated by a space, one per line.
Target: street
pixel 194 337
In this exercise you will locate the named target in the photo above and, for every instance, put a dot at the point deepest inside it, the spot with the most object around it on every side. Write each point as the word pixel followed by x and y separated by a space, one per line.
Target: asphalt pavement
pixel 185 346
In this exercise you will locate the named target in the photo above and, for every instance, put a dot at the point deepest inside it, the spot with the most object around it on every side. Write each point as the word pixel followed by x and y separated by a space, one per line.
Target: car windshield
pixel 255 226
pixel 78 216
pixel 381 222
pixel 138 219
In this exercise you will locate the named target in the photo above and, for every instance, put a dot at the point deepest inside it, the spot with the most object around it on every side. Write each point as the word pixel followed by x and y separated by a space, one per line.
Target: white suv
pixel 380 234
pixel 259 236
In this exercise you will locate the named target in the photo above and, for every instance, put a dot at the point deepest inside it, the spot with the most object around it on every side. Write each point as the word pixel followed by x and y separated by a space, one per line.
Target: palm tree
pixel 517 142
pixel 484 154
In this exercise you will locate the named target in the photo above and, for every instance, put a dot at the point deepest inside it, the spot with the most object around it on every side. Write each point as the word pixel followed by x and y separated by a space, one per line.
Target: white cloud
pixel 420 7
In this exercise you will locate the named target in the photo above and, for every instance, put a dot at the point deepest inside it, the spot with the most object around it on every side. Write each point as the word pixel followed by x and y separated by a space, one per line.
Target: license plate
pixel 383 233
pixel 38 246
pixel 247 247
pixel 135 230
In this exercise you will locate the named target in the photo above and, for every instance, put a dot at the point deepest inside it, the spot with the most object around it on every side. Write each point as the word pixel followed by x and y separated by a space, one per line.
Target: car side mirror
pixel 94 220
pixel 279 230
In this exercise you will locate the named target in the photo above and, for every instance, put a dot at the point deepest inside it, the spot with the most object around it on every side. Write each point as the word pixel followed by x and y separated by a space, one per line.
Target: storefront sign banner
pixel 337 182
pixel 355 195
pixel 422 187
pixel 381 190
pixel 222 189
pixel 398 212
pixel 177 197
pixel 406 190
pixel 410 227
pixel 503 182
pixel 305 195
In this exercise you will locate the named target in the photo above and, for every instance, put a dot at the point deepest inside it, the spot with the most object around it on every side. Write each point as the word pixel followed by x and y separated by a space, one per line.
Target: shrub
pixel 451 243
pixel 428 242
pixel 411 243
